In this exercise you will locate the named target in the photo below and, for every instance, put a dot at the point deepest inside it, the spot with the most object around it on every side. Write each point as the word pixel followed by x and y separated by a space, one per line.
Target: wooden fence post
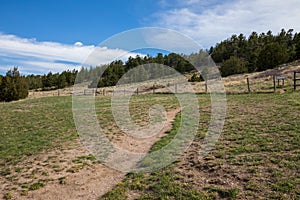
pixel 205 86
pixel 274 82
pixel 153 89
pixel 295 81
pixel 175 88
pixel 248 84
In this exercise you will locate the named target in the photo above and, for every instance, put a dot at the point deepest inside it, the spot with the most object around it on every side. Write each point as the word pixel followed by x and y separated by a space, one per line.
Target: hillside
pixel 259 82
pixel 256 156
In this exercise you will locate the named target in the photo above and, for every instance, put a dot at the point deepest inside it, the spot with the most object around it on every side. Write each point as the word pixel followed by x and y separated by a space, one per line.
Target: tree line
pixel 14 86
pixel 258 52
pixel 52 81
pixel 115 70
pixel 234 55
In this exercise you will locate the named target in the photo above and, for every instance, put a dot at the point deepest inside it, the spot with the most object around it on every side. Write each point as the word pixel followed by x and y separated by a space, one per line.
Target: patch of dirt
pixel 70 172
pixel 143 145
pixel 208 172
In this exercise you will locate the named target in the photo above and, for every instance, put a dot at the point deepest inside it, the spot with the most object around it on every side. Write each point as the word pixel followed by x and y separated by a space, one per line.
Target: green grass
pixel 30 126
pixel 256 156
pixel 36 186
pixel 161 184
pixel 224 193
pixel 258 153
pixel 33 127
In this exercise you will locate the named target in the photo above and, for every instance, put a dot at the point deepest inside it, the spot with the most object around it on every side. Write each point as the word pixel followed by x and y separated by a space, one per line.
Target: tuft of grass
pixel 76 167
pixel 5 172
pixel 62 180
pixel 285 186
pixel 225 193
pixel 82 159
pixel 116 194
pixel 37 185
pixel 8 195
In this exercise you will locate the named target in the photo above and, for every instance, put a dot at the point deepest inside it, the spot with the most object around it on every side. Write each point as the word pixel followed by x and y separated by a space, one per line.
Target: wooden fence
pixel 271 83
pixel 296 79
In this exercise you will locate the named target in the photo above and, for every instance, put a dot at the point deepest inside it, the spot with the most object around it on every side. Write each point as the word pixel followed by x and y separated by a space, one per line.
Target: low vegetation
pixel 256 157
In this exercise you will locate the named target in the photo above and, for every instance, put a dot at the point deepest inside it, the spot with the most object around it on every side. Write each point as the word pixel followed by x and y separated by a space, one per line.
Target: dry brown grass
pixel 260 82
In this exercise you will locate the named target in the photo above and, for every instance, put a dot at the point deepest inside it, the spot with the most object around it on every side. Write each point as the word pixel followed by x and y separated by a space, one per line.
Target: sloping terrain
pixel 41 156
pixel 256 157
pixel 260 82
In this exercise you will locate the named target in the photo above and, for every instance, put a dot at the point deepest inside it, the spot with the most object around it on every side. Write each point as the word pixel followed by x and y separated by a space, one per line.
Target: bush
pixel 196 78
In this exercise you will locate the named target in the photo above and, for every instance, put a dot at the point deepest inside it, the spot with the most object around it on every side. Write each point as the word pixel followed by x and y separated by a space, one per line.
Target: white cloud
pixel 170 41
pixel 209 23
pixel 41 57
pixel 79 44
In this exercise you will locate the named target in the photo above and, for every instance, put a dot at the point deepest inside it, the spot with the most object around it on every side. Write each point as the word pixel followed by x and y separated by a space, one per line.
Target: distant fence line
pixel 272 83
pixel 275 83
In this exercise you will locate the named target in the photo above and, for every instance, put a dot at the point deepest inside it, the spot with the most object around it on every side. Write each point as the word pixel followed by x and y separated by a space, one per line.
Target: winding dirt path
pixel 86 179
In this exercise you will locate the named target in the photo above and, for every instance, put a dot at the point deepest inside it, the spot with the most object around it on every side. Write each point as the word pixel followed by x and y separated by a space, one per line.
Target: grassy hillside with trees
pixel 235 55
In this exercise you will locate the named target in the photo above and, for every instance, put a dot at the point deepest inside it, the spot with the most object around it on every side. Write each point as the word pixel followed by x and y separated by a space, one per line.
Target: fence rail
pixel 250 84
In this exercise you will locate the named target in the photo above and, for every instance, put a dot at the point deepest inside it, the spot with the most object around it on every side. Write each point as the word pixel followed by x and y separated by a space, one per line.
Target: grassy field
pixel 256 157
pixel 39 141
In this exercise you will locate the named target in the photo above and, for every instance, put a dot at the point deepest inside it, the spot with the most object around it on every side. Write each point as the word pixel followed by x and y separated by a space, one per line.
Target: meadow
pixel 256 157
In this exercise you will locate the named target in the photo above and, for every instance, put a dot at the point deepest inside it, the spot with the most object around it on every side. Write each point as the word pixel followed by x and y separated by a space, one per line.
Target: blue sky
pixel 69 21
pixel 53 35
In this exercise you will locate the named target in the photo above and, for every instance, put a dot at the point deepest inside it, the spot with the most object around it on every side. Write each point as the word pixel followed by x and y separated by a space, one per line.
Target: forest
pixel 235 55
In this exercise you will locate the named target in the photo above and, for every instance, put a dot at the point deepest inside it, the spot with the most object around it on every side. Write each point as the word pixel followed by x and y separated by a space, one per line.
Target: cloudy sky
pixel 55 35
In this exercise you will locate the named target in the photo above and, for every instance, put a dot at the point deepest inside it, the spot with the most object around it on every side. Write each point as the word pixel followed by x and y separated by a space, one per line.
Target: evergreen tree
pixel 271 56
pixel 296 42
pixel 13 86
pixel 233 65
pixel 61 81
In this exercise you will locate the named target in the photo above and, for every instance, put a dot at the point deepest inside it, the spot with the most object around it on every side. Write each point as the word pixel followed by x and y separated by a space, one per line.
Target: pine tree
pixel 233 65
pixel 61 81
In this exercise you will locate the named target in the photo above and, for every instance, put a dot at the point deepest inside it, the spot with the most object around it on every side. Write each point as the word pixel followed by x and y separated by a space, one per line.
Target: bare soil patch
pixel 70 172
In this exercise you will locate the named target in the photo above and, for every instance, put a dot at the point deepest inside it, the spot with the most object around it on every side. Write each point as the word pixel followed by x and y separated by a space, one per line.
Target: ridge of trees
pixel 258 52
pixel 234 55
pixel 52 81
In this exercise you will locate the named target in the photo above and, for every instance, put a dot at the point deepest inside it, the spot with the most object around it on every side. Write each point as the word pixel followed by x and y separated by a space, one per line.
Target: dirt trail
pixel 88 179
